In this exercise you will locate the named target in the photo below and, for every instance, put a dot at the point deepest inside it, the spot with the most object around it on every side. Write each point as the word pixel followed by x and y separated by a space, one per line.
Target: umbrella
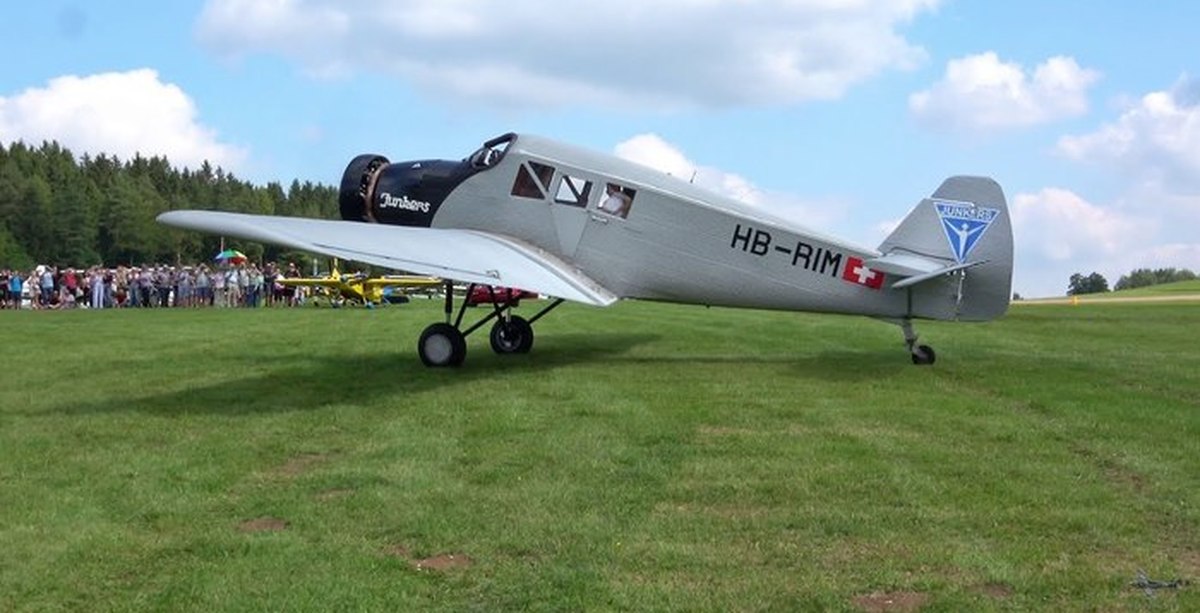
pixel 231 256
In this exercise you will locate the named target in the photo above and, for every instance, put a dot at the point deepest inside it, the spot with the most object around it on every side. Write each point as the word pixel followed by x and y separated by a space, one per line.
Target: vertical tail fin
pixel 964 230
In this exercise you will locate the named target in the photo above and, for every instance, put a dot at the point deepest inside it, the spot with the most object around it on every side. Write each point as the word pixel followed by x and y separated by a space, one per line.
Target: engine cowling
pixel 403 194
pixel 358 182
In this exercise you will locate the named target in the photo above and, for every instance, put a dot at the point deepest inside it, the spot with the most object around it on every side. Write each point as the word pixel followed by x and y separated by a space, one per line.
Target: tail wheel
pixel 512 336
pixel 923 355
pixel 442 345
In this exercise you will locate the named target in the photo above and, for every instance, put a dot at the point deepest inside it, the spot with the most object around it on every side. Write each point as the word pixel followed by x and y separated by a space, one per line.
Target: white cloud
pixel 1157 141
pixel 119 113
pixel 652 151
pixel 665 54
pixel 1155 147
pixel 980 92
pixel 1058 225
pixel 1058 233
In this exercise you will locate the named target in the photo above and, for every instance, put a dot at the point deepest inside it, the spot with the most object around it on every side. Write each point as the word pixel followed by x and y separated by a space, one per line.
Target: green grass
pixel 642 457
pixel 1164 289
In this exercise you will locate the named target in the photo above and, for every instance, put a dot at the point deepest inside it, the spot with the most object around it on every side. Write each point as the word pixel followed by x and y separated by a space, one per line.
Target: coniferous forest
pixel 60 210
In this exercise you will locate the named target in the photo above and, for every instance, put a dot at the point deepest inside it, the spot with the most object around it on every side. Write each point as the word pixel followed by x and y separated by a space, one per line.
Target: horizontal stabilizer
pixel 921 278
pixel 903 264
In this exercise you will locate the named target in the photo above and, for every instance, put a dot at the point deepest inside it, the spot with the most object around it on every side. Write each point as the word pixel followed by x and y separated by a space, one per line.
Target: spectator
pixel 16 287
pixel 96 280
pixel 4 298
pixel 233 289
pixel 203 287
pixel 46 287
pixel 162 285
pixel 184 292
pixel 70 281
pixel 120 286
pixel 145 287
pixel 268 284
pixel 219 290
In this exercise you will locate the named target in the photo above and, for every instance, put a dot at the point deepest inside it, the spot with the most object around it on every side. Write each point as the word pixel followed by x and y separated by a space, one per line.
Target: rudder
pixel 963 230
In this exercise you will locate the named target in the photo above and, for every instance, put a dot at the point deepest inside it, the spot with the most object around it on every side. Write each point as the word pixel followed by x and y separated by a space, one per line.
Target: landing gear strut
pixel 922 355
pixel 445 343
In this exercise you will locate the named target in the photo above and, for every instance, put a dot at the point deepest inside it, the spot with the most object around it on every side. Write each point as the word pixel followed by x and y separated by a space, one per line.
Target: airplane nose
pixel 358 183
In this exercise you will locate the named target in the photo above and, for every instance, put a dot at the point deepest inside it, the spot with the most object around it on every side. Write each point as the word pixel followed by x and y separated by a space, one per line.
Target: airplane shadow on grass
pixel 291 383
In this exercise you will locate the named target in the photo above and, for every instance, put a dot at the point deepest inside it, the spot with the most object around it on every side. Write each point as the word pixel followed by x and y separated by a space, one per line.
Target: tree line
pixel 1095 283
pixel 59 210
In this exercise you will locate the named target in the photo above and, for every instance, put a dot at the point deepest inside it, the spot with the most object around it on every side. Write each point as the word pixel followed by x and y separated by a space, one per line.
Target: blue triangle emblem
pixel 964 224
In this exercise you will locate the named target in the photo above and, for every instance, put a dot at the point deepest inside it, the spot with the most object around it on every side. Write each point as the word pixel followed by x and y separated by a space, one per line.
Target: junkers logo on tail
pixel 388 201
pixel 964 224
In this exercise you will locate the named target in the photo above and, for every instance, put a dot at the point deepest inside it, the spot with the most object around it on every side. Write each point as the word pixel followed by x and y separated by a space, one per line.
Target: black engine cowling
pixel 405 193
pixel 357 183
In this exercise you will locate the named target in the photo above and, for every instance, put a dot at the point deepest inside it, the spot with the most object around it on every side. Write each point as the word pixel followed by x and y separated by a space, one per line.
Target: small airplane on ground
pixel 528 212
pixel 358 288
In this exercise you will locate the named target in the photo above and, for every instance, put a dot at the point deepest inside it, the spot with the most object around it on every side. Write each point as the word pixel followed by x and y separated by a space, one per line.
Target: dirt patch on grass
pixel 263 524
pixel 1189 563
pixel 333 494
pixel 997 591
pixel 861 552
pixel 881 602
pixel 300 464
pixel 442 562
pixel 398 551
pixel 1114 471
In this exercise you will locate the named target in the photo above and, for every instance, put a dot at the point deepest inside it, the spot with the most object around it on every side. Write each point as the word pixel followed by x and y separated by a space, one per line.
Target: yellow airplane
pixel 338 288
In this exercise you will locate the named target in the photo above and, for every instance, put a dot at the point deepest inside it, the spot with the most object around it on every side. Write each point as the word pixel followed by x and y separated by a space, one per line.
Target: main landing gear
pixel 922 355
pixel 445 344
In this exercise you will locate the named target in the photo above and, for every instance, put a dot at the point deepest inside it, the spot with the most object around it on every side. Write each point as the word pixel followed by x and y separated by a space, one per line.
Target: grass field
pixel 643 457
pixel 1181 291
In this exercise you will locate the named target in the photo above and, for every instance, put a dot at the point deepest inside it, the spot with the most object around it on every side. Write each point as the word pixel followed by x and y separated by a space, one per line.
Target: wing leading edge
pixel 470 256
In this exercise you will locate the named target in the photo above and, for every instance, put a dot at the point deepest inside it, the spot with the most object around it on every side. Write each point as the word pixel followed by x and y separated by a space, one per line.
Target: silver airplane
pixel 531 213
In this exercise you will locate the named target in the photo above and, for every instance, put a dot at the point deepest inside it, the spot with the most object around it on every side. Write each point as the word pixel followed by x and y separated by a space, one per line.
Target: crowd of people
pixel 221 285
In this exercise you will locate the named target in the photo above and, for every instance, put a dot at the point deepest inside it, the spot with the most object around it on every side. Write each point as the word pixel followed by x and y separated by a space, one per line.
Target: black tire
pixel 442 345
pixel 512 336
pixel 923 355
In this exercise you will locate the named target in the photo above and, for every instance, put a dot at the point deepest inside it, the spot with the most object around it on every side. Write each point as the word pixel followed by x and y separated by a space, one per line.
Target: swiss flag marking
pixel 857 272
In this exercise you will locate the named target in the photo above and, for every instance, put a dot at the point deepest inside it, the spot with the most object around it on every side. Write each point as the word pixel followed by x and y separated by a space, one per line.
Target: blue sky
pixel 840 114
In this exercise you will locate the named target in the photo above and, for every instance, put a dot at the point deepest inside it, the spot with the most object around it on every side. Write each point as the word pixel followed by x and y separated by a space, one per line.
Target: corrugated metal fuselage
pixel 677 243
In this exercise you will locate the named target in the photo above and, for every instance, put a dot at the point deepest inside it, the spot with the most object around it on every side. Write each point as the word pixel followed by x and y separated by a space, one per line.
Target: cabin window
pixel 544 174
pixel 526 186
pixel 533 184
pixel 573 191
pixel 617 200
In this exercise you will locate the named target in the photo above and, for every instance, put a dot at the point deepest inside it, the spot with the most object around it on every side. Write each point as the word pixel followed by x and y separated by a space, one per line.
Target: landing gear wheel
pixel 512 336
pixel 442 345
pixel 923 355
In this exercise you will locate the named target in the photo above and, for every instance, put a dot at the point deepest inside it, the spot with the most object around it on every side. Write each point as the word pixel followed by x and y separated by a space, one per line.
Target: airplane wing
pixel 470 256
pixel 330 283
pixel 402 281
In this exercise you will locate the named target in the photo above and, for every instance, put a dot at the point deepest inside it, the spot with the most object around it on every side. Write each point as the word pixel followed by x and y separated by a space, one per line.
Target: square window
pixel 573 191
pixel 526 186
pixel 617 200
